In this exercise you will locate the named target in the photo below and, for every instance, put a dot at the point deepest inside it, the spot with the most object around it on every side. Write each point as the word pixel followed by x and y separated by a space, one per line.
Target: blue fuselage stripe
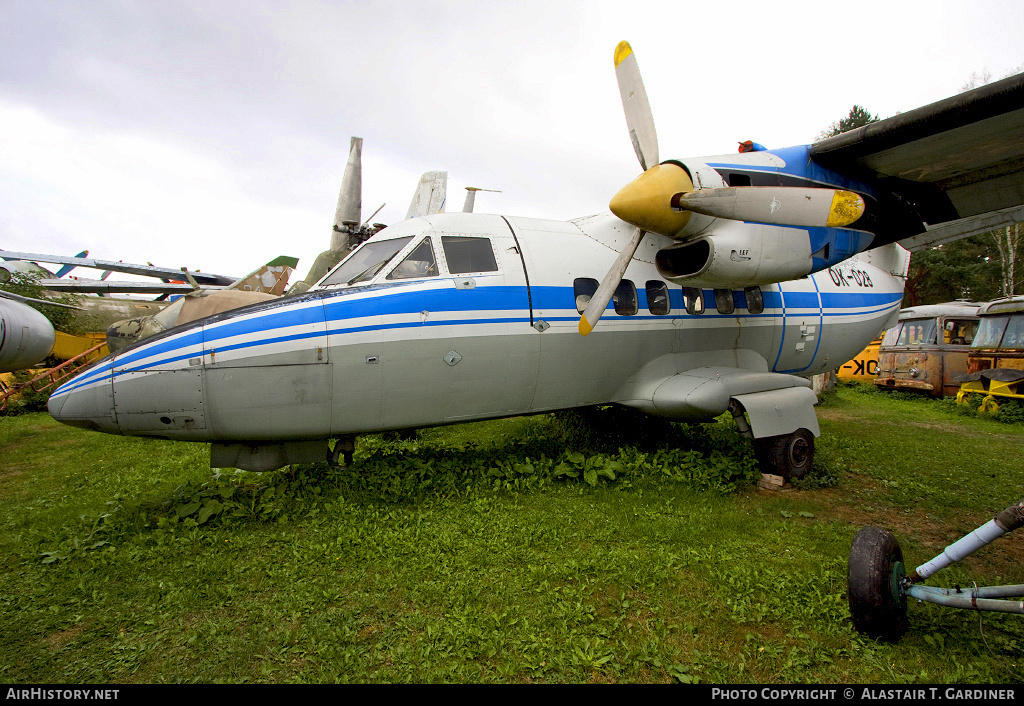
pixel 327 315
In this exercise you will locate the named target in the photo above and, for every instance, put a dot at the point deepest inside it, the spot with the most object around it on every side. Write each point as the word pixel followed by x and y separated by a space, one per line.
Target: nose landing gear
pixel 878 585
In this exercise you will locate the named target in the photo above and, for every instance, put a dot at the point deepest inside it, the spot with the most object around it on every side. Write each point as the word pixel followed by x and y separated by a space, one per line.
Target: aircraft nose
pixel 86 401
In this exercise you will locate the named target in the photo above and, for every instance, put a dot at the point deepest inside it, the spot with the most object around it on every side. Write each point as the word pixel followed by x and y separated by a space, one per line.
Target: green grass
pixel 523 550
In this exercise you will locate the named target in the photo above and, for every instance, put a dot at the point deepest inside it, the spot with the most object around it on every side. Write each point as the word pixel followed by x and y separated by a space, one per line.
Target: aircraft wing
pixel 958 158
pixel 96 286
pixel 164 273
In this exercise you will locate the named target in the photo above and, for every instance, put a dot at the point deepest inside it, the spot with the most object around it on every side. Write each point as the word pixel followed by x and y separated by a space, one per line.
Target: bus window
pixel 1014 336
pixel 959 332
pixel 917 332
pixel 990 333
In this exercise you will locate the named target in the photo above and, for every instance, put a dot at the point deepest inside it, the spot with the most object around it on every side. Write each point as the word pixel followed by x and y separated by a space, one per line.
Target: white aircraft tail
pixel 429 196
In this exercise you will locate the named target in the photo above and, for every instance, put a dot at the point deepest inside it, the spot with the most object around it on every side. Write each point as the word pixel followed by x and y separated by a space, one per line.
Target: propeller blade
pixel 779 205
pixel 603 295
pixel 637 108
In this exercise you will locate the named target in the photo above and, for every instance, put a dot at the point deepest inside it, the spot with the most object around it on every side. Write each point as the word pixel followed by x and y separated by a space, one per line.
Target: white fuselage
pixel 436 347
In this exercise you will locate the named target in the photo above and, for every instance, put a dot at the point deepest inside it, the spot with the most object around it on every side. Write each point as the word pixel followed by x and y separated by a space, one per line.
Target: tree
pixel 978 268
pixel 857 117
pixel 1008 241
pixel 963 269
pixel 27 285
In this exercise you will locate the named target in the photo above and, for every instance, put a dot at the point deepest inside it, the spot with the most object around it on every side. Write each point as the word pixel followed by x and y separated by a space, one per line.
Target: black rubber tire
pixel 878 606
pixel 788 456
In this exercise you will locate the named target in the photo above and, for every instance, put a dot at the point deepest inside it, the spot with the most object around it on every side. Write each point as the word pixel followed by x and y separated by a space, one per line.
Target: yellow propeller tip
pixel 585 326
pixel 621 52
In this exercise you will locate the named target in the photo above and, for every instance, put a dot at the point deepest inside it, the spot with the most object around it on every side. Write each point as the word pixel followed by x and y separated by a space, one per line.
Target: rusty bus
pixel 995 364
pixel 927 349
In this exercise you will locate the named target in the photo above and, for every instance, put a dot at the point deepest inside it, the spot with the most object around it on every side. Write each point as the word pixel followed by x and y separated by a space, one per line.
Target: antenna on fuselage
pixel 467 207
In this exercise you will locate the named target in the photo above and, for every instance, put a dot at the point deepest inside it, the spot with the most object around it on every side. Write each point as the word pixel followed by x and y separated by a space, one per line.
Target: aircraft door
pixel 801 326
pixel 490 367
pixel 268 370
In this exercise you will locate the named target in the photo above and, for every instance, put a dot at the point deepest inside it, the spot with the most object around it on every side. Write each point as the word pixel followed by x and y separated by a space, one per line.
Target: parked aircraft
pixel 26 336
pixel 264 283
pixel 130 318
pixel 720 283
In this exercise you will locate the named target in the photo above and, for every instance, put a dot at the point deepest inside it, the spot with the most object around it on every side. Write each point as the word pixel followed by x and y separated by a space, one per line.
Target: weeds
pixel 509 551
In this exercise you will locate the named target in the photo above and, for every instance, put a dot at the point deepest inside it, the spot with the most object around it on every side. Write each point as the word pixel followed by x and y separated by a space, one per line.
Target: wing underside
pixel 960 158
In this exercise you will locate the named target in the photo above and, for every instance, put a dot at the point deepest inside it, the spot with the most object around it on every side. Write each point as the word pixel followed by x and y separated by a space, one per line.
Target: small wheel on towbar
pixel 875 571
pixel 789 456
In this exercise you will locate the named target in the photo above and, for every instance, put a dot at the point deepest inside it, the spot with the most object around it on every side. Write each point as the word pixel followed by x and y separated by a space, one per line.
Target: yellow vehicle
pixel 995 364
pixel 864 366
pixel 927 349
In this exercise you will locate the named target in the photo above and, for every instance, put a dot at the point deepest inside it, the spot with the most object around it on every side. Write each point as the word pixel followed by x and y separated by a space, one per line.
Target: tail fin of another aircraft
pixel 430 195
pixel 272 278
pixel 67 268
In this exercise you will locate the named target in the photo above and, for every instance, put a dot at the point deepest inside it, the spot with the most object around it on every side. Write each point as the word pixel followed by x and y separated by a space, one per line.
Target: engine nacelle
pixel 26 336
pixel 737 254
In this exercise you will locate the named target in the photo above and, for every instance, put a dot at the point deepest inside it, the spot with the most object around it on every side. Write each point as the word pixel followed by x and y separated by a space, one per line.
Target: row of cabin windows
pixel 469 254
pixel 626 303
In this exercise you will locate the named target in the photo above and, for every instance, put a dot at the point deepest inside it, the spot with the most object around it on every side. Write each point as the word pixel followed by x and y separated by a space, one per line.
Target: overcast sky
pixel 214 134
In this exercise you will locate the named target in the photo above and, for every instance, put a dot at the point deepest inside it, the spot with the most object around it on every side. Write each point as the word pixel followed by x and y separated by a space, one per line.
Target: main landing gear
pixel 789 456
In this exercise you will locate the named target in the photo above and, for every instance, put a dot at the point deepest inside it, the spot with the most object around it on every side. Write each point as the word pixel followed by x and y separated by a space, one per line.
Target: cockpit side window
pixel 419 263
pixel 466 254
pixel 366 261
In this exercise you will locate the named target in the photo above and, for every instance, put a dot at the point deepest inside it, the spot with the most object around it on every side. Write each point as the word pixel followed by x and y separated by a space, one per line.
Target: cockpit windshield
pixel 367 261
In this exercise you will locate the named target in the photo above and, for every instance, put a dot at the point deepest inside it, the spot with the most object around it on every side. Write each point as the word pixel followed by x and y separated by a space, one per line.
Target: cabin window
pixel 724 302
pixel 625 299
pixel 755 300
pixel 466 255
pixel 419 263
pixel 739 179
pixel 583 288
pixel 657 297
pixel 693 298
pixel 366 261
